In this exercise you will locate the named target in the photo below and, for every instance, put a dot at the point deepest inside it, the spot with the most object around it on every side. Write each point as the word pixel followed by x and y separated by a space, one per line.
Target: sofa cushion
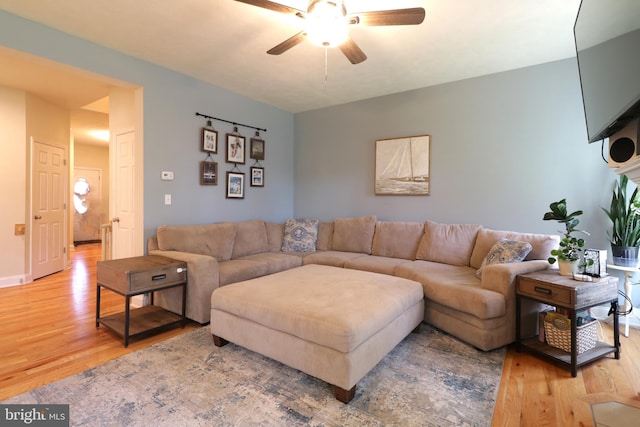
pixel 375 264
pixel 354 234
pixel 447 243
pixel 332 258
pixel 237 270
pixel 300 235
pixel 325 236
pixel 504 251
pixel 276 261
pixel 454 286
pixel 275 234
pixel 215 240
pixel 397 239
pixel 251 238
pixel 541 244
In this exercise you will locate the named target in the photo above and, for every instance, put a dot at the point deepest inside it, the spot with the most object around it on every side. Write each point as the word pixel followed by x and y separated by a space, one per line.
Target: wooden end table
pixel 563 292
pixel 137 276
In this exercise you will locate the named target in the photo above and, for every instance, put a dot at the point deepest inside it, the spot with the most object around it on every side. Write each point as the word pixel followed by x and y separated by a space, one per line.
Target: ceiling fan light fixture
pixel 327 23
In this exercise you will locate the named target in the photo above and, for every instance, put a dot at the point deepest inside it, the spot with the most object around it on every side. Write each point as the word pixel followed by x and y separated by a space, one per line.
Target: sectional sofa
pixel 469 289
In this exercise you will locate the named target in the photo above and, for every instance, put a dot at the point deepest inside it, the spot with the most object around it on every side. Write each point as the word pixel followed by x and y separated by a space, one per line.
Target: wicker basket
pixel 586 336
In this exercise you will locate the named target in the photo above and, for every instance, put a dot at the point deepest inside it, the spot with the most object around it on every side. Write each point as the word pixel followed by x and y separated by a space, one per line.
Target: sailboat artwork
pixel 402 165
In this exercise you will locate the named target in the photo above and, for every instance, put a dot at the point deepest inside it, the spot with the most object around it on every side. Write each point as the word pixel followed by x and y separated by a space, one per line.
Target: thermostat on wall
pixel 166 175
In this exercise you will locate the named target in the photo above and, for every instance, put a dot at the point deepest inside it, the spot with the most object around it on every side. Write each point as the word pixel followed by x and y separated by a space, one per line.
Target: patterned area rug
pixel 429 379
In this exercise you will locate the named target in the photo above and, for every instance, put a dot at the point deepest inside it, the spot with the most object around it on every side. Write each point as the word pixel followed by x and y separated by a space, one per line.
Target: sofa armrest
pixel 152 244
pixel 203 277
pixel 502 277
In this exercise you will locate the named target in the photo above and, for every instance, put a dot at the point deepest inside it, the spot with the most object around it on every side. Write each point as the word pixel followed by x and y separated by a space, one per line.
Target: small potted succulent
pixel 571 247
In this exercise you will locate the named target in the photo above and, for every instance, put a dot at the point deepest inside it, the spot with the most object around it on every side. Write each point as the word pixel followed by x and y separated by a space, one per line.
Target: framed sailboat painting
pixel 402 166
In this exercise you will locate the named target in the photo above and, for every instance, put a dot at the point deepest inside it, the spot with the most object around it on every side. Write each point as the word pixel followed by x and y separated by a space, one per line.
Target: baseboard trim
pixel 6 282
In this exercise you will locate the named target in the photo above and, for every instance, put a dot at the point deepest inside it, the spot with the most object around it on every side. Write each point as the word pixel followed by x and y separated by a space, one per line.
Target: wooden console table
pixel 136 276
pixel 563 292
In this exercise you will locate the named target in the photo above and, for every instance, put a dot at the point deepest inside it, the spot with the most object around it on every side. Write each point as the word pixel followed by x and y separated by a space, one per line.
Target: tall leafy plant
pixel 624 214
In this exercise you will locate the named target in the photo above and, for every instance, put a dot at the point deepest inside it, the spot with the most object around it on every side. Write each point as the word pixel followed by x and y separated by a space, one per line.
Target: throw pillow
pixel 300 235
pixel 504 251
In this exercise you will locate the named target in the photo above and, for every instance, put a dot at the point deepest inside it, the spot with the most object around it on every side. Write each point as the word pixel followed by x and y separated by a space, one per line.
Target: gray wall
pixel 503 147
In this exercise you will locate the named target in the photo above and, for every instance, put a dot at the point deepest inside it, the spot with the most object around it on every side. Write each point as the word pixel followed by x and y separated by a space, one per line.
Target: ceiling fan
pixel 327 23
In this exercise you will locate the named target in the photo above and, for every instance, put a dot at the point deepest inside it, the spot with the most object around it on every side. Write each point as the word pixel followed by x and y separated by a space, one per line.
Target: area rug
pixel 429 379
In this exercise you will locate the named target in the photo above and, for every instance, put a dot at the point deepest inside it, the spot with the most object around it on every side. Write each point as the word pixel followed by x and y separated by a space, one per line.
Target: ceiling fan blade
pixel 411 16
pixel 276 7
pixel 354 54
pixel 287 44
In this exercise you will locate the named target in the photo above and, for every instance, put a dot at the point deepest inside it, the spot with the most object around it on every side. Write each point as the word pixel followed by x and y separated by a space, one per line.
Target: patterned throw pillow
pixel 503 251
pixel 300 235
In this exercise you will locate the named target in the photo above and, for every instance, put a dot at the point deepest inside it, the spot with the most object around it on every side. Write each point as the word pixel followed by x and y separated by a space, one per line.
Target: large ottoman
pixel 332 323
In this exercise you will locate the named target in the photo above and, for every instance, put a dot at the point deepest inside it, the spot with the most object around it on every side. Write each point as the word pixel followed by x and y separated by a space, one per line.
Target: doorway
pixel 88 213
pixel 48 202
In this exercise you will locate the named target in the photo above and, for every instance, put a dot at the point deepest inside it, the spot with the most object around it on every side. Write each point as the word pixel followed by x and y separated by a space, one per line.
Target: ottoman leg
pixel 343 395
pixel 219 342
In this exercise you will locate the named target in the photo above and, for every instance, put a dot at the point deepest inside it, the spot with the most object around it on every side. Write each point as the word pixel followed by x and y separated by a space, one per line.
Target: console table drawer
pixel 545 292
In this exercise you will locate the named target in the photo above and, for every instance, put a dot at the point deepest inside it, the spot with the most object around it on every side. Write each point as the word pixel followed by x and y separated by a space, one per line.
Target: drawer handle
pixel 159 277
pixel 542 290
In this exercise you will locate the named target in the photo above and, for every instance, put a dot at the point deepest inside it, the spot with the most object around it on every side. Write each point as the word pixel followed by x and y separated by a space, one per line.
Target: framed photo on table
pixel 235 149
pixel 209 141
pixel 257 177
pixel 235 185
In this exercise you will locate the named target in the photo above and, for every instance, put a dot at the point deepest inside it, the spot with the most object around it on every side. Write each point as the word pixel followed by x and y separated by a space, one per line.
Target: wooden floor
pixel 47 332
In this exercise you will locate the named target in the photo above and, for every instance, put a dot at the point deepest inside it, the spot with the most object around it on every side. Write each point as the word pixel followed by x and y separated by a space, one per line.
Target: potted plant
pixel 624 214
pixel 571 247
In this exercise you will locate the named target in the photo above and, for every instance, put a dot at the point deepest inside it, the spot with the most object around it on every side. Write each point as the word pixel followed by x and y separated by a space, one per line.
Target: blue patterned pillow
pixel 503 251
pixel 300 235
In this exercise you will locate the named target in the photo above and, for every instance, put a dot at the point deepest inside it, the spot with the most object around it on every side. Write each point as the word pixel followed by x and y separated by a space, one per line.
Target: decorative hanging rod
pixel 229 121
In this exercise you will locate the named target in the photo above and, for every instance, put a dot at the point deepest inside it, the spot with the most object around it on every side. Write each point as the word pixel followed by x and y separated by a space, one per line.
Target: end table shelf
pixel 548 287
pixel 143 320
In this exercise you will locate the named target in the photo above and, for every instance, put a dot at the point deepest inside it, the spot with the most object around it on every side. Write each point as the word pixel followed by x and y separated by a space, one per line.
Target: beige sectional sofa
pixel 444 258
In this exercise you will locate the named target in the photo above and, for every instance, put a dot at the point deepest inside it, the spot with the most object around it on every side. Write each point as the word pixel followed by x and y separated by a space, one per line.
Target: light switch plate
pixel 166 175
pixel 167 199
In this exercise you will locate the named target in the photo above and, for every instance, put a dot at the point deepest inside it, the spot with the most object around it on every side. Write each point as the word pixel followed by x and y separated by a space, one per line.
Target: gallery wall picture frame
pixel 402 166
pixel 256 150
pixel 235 185
pixel 257 176
pixel 209 141
pixel 208 173
pixel 235 149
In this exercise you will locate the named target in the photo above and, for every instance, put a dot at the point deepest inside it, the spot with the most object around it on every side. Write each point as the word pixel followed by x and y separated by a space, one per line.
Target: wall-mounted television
pixel 607 36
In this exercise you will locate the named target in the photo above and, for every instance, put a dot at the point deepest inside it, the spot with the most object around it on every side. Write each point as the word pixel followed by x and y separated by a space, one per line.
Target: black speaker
pixel 624 145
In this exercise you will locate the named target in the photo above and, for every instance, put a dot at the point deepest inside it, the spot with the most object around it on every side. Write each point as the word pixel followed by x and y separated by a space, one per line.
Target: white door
pixel 87 204
pixel 48 166
pixel 124 219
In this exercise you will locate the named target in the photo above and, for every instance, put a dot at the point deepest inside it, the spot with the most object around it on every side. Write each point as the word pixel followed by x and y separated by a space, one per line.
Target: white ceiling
pixel 224 42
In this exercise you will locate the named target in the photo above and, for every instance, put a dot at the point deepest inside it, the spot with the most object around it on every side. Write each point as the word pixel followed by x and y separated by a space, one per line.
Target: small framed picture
pixel 208 173
pixel 257 176
pixel 209 140
pixel 235 185
pixel 257 149
pixel 235 148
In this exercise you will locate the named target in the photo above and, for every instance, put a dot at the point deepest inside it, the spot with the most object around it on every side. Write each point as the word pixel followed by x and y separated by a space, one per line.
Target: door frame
pixel 65 197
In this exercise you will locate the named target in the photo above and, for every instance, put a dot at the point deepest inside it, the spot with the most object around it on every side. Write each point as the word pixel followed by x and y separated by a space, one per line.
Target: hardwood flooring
pixel 47 332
